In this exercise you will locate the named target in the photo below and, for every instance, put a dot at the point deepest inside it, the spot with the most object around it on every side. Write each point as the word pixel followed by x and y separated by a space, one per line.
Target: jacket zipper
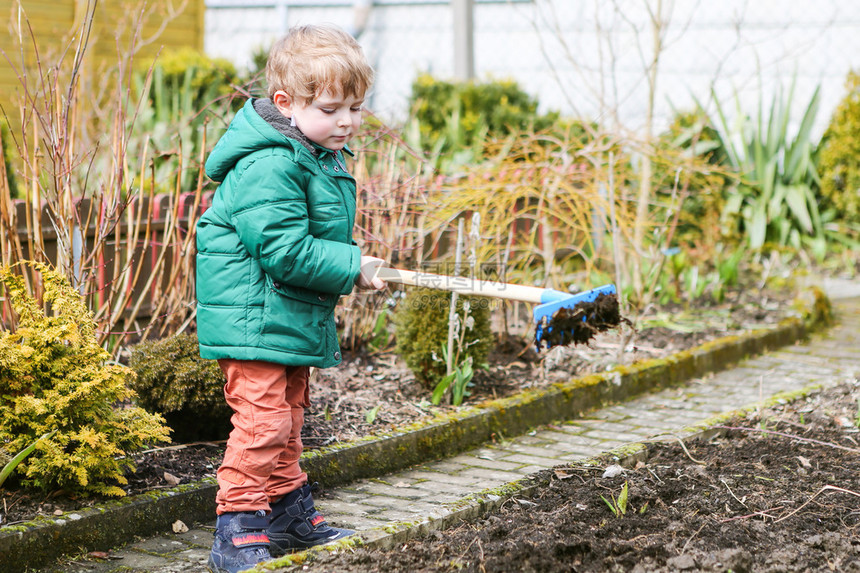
pixel 342 166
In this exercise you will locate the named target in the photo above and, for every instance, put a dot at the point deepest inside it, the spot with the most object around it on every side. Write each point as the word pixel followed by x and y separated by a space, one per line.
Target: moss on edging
pixel 115 523
pixel 38 542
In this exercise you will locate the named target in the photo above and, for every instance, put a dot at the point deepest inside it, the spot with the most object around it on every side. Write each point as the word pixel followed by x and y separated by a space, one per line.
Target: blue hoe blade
pixel 554 300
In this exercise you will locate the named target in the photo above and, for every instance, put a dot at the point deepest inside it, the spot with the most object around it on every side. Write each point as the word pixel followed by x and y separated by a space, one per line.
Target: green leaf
pixel 803 136
pixel 758 228
pixel 796 198
pixel 440 389
pixel 610 505
pixel 370 417
pixel 622 500
pixel 13 463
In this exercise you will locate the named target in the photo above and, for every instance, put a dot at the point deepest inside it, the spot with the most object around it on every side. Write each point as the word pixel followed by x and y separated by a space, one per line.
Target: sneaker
pixel 295 523
pixel 240 542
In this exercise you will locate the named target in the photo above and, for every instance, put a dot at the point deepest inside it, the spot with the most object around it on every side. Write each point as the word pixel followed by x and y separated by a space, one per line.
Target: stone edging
pixel 37 543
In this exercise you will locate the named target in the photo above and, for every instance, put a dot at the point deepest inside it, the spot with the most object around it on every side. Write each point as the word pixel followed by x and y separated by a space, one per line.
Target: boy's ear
pixel 284 102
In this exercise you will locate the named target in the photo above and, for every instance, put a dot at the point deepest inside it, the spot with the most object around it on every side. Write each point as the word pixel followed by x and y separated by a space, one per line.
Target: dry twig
pixel 823 489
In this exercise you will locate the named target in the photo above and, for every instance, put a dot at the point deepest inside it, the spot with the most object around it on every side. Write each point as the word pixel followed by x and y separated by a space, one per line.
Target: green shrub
pixel 421 328
pixel 187 72
pixel 185 106
pixel 687 164
pixel 465 111
pixel 839 156
pixel 54 377
pixel 187 390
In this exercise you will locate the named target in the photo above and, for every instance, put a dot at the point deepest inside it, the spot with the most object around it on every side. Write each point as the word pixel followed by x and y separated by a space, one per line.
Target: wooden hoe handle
pixel 463 285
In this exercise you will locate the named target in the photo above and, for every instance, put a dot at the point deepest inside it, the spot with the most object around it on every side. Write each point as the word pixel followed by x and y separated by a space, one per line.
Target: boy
pixel 275 251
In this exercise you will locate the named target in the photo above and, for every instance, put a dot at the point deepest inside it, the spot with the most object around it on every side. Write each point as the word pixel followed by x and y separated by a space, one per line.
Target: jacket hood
pixel 248 132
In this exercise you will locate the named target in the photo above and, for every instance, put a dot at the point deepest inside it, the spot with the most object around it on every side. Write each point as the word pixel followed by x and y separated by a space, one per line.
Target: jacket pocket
pixel 294 319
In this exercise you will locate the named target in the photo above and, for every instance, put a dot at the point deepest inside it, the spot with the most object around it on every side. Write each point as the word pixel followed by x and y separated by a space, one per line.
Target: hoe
pixel 560 318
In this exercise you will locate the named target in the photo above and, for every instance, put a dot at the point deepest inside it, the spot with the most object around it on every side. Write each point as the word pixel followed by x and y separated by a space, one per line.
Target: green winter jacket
pixel 275 249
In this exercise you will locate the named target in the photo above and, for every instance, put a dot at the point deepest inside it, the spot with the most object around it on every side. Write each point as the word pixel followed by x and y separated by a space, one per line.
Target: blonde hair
pixel 311 59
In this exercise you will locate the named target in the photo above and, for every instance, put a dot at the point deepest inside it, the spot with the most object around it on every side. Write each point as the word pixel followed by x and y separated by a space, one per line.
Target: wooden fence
pixel 142 258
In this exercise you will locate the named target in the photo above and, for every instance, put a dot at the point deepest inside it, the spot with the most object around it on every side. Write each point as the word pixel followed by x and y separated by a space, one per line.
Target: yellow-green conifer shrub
pixel 55 376
pixel 421 329
pixel 839 159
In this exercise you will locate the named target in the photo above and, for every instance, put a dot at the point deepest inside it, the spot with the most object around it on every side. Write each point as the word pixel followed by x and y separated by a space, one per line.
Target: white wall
pixel 585 57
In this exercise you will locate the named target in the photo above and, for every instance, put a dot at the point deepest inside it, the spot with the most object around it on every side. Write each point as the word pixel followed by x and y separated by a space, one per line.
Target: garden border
pixel 37 543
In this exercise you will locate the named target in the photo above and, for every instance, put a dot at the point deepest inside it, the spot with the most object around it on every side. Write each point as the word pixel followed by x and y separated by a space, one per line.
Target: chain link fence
pixel 612 60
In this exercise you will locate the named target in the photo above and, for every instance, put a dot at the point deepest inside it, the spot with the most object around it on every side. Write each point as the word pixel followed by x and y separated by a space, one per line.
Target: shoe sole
pixel 288 544
pixel 213 568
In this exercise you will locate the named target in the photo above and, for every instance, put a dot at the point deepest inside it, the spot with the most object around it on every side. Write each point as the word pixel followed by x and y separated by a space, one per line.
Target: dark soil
pixel 376 392
pixel 578 325
pixel 779 492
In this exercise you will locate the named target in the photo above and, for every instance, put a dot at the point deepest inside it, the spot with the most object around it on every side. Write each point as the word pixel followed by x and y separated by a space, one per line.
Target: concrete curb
pixel 41 541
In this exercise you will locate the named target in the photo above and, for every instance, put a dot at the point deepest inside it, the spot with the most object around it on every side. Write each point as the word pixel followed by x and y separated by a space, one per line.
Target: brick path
pixel 421 492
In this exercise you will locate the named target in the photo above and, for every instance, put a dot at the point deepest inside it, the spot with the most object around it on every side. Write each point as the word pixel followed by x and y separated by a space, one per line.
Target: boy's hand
pixel 367 279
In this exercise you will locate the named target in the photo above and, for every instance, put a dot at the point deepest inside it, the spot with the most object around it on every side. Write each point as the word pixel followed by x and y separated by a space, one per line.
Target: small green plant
pixel 458 381
pixel 856 416
pixel 380 336
pixel 60 388
pixel 617 506
pixel 10 465
pixel 370 416
pixel 187 390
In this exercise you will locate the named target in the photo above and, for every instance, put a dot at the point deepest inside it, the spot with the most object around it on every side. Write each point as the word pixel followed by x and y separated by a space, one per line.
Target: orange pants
pixel 261 463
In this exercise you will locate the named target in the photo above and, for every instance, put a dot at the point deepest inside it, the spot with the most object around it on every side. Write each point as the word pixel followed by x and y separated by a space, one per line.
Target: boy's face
pixel 330 120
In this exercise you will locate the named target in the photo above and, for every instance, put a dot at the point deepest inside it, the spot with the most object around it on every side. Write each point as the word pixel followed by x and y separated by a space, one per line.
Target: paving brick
pixel 342 495
pixel 490 464
pixel 528 470
pixel 534 460
pixel 329 507
pixel 420 507
pixel 647 424
pixel 488 474
pixel 576 456
pixel 532 439
pixel 161 545
pixel 145 561
pixel 399 515
pixel 387 490
pixel 560 435
pixel 617 438
pixel 443 476
pixel 543 452
pixel 448 466
pixel 362 523
pixel 439 486
pixel 441 498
